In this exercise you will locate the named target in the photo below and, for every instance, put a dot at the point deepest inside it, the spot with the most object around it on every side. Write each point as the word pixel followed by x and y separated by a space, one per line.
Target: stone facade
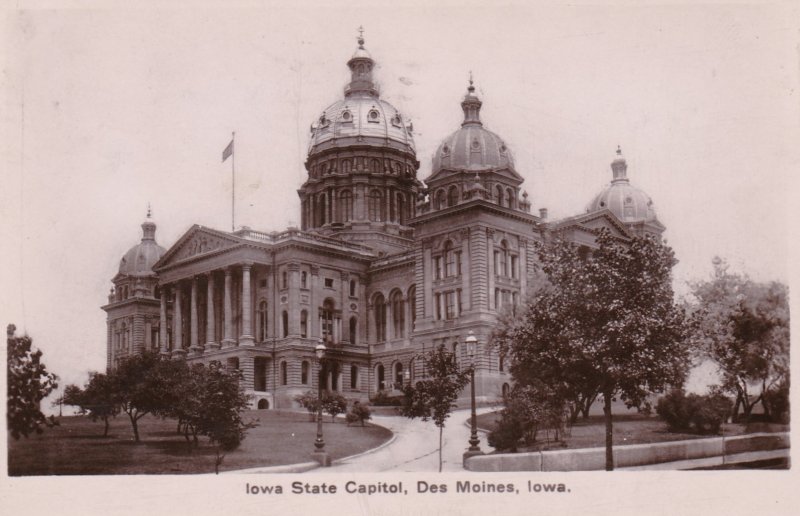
pixel 383 268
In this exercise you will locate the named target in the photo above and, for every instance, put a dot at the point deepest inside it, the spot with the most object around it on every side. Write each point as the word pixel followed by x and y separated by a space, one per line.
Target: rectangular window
pixel 450 264
pixel 450 305
pixel 497 263
pixel 438 307
pixel 262 283
pixel 328 282
pixel 506 297
pixel 437 267
pixel 458 302
pixel 497 298
pixel 458 263
pixel 514 267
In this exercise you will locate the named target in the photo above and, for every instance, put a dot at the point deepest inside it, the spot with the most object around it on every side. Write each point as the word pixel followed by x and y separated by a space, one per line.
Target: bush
pixel 383 399
pixel 333 403
pixel 693 413
pixel 529 409
pixel 507 433
pixel 358 412
pixel 776 403
pixel 309 400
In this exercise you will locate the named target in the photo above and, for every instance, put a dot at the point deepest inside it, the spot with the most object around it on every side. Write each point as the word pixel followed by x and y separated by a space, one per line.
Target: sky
pixel 107 110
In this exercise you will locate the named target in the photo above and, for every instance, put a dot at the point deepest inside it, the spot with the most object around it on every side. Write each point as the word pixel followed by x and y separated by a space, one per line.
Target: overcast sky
pixel 107 110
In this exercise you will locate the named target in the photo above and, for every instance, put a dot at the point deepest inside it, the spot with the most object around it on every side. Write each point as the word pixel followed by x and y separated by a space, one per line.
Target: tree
pixel 145 383
pixel 309 400
pixel 605 322
pixel 359 412
pixel 334 404
pixel 744 329
pixel 96 399
pixel 28 384
pixel 434 397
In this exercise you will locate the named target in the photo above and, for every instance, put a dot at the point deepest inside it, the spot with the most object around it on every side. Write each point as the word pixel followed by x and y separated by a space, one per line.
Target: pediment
pixel 197 241
pixel 595 221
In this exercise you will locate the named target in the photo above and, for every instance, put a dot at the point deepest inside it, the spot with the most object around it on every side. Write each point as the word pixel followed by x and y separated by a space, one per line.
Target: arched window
pixel 499 195
pixel 375 165
pixel 398 375
pixel 354 377
pixel 285 323
pixel 412 300
pixel 452 196
pixel 375 206
pixel 381 374
pixel 353 330
pixel 441 200
pixel 506 389
pixel 327 320
pixel 510 198
pixel 398 314
pixel 304 368
pixel 380 318
pixel 303 323
pixel 401 209
pixel 345 206
pixel 346 165
pixel 284 373
pixel 262 321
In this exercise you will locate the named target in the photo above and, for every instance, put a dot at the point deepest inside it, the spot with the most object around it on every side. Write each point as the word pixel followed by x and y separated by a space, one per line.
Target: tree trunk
pixel 609 431
pixel 441 428
pixel 135 424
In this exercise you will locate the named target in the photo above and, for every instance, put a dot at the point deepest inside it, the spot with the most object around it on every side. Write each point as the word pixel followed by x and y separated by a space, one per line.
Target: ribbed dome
pixel 628 203
pixel 139 259
pixel 472 147
pixel 361 117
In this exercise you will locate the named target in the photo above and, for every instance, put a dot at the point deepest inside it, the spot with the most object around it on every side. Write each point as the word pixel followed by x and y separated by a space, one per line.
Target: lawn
pixel 629 428
pixel 77 446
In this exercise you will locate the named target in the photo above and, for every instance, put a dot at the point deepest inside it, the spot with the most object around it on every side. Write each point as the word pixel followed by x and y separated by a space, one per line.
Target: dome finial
pixel 361 36
pixel 619 150
pixel 148 210
pixel 470 88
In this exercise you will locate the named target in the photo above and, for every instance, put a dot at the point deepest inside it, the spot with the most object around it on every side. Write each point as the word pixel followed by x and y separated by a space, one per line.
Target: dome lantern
pixel 471 106
pixel 361 65
pixel 619 166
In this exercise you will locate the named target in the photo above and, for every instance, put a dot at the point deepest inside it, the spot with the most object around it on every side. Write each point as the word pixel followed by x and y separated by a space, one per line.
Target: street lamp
pixel 472 343
pixel 320 455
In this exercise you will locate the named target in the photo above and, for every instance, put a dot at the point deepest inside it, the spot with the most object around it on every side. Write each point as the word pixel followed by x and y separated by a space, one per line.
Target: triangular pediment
pixel 595 221
pixel 197 241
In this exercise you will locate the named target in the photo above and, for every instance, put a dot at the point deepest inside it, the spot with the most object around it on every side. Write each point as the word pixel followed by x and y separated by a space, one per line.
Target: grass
pixel 629 428
pixel 77 446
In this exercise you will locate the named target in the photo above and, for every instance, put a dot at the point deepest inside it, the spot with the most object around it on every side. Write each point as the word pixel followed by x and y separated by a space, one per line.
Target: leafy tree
pixel 96 399
pixel 359 412
pixel 309 400
pixel 745 330
pixel 604 322
pixel 28 384
pixel 143 384
pixel 434 397
pixel 333 403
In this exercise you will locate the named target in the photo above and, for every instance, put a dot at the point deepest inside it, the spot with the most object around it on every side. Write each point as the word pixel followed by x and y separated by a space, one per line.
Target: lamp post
pixel 320 455
pixel 407 376
pixel 474 449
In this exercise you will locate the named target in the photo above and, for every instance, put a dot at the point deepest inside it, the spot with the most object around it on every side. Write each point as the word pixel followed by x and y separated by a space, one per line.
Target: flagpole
pixel 233 180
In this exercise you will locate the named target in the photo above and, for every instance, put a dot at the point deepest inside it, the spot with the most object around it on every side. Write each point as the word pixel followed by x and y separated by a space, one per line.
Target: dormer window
pixel 446 150
pixel 476 145
pixel 373 116
pixel 397 121
pixel 347 116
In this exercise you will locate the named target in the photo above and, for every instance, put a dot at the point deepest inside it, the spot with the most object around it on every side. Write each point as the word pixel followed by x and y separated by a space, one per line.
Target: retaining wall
pixel 715 450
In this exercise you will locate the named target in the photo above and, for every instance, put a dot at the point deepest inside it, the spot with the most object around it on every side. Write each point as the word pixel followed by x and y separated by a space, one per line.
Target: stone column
pixel 194 345
pixel 246 338
pixel 211 330
pixel 163 334
pixel 465 271
pixel 490 267
pixel 313 329
pixel 334 215
pixel 427 283
pixel 177 332
pixel 227 340
pixel 294 299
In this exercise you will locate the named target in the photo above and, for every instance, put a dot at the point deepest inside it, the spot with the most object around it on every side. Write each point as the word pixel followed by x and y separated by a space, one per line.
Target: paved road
pixel 415 447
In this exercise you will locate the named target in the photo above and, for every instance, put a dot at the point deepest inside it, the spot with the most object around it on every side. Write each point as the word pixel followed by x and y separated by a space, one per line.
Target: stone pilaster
pixel 294 299
pixel 490 268
pixel 246 338
pixel 465 271
pixel 177 331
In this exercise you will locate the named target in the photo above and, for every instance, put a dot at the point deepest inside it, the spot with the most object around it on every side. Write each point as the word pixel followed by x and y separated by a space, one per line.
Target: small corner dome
pixel 139 259
pixel 627 202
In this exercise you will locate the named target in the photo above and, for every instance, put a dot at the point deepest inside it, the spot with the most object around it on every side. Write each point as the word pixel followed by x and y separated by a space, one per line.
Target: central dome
pixel 362 117
pixel 472 147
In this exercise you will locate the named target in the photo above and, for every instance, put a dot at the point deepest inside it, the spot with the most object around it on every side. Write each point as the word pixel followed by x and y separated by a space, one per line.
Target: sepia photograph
pixel 399 257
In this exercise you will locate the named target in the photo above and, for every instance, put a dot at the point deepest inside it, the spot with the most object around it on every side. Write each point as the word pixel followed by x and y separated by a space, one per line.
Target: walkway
pixel 415 447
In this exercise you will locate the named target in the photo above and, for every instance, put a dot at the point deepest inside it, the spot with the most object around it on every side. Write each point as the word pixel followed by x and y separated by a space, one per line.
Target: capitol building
pixel 384 267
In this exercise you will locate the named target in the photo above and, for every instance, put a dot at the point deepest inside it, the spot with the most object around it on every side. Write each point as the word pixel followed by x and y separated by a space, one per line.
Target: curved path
pixel 415 447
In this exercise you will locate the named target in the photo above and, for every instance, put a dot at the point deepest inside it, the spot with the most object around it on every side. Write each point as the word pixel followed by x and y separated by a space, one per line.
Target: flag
pixel 227 152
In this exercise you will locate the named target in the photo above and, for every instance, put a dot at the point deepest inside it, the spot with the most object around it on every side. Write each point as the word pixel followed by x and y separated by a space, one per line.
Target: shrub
pixel 507 433
pixel 333 403
pixel 529 409
pixel 383 399
pixel 776 403
pixel 309 400
pixel 693 413
pixel 358 412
